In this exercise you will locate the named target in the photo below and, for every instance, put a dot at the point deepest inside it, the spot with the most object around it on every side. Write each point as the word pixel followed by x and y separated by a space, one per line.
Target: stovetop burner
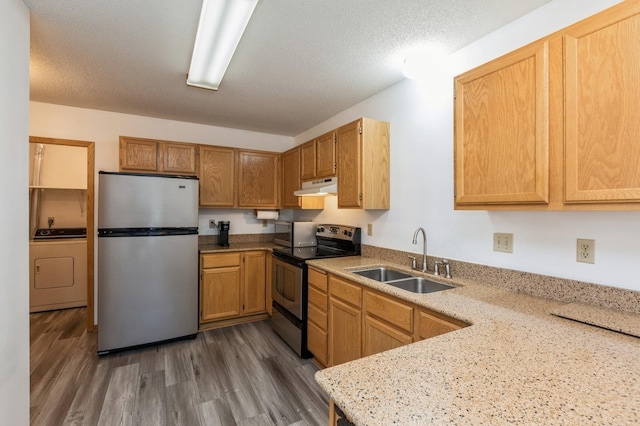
pixel 59 233
pixel 308 253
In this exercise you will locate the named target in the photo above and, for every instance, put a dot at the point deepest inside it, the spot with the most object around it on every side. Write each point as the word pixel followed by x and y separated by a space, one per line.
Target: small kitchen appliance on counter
pixel 295 234
pixel 147 259
pixel 290 286
pixel 223 237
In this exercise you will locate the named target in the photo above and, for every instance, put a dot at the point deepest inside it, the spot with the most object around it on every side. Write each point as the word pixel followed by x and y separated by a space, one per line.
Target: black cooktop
pixel 309 253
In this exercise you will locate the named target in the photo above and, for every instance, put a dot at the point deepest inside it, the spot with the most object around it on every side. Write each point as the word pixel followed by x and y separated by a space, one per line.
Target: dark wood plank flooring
pixel 242 375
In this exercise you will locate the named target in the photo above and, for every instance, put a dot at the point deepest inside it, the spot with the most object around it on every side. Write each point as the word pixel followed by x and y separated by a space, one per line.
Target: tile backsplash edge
pixel 559 289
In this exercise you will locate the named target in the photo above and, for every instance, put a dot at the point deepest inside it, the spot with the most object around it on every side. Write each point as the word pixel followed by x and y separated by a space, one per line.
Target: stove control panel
pixel 341 232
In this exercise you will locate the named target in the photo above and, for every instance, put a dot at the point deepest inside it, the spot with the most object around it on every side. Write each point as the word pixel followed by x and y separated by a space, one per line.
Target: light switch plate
pixel 503 242
pixel 370 229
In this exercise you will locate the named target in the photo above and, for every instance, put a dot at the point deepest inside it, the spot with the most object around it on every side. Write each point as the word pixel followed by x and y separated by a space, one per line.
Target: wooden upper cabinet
pixel 362 151
pixel 552 126
pixel 217 176
pixel 138 154
pixel 308 160
pixel 318 157
pixel 257 179
pixel 179 158
pixel 502 130
pixel 290 182
pixel 602 96
pixel 149 155
pixel 326 155
pixel 290 177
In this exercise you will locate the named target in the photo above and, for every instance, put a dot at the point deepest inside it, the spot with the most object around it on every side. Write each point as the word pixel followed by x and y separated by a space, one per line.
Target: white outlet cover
pixel 585 250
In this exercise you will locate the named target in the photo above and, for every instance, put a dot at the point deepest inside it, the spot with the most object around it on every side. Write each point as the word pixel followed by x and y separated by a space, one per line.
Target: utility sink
pixel 419 285
pixel 382 274
pixel 402 280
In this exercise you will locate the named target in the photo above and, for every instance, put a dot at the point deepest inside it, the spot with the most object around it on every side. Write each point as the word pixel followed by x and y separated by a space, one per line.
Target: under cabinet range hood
pixel 318 187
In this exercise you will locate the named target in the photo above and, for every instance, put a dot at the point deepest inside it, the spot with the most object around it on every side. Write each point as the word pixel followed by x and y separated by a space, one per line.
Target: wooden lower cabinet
pixel 388 324
pixel 363 322
pixel 379 337
pixel 255 275
pixel 232 285
pixel 431 324
pixel 220 286
pixel 345 332
pixel 318 316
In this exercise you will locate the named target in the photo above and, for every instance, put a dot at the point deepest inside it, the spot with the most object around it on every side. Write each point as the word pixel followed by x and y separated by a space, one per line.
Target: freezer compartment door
pixel 147 290
pixel 146 201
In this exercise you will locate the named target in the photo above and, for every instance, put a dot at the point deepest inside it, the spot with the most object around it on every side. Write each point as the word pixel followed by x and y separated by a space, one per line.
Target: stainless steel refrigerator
pixel 147 259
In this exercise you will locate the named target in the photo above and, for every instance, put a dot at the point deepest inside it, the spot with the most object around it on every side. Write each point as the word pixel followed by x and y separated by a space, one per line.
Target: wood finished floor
pixel 241 375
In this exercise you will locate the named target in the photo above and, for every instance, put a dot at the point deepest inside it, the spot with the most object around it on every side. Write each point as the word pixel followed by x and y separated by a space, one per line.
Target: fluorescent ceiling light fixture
pixel 222 23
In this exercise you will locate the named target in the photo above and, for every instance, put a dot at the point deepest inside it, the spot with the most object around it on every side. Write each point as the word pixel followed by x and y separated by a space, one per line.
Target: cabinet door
pixel 217 176
pixel 290 177
pixel 139 154
pixel 397 313
pixel 220 293
pixel 317 342
pixel 254 282
pixel 379 337
pixel 602 95
pixel 345 332
pixel 257 179
pixel 180 158
pixel 349 156
pixel 308 161
pixel 431 325
pixel 502 130
pixel 326 155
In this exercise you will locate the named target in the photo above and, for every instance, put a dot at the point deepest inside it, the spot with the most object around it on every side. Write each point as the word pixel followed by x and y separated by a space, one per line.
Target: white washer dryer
pixel 57 274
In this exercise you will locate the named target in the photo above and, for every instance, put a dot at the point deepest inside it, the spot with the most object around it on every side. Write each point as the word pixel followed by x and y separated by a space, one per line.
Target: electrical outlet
pixel 212 223
pixel 503 242
pixel 586 251
pixel 370 229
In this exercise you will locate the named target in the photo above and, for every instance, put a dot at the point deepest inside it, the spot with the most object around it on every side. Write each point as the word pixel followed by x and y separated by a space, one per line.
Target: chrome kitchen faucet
pixel 424 248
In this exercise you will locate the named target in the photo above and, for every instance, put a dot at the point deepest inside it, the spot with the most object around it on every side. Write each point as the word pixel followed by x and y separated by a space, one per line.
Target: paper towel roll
pixel 267 214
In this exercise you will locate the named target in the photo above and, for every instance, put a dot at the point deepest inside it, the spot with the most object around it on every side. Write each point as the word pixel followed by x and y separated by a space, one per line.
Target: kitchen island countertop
pixel 515 364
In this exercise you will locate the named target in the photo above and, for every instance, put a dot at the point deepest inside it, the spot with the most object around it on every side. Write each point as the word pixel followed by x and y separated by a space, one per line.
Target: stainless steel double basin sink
pixel 402 280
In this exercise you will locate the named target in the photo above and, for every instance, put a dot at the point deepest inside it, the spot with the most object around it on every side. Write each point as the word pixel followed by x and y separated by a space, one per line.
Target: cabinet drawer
pixel 318 317
pixel 432 324
pixel 350 293
pixel 318 279
pixel 220 260
pixel 395 313
pixel 318 298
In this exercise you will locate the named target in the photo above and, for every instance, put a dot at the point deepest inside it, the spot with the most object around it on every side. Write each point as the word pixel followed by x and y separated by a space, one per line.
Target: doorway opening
pixel 60 258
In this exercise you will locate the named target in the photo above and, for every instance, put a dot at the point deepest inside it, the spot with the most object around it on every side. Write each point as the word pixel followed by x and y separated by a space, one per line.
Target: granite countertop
pixel 515 364
pixel 214 248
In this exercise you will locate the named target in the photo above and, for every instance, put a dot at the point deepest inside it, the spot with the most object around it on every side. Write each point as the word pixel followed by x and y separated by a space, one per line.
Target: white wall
pixel 104 128
pixel 421 118
pixel 14 214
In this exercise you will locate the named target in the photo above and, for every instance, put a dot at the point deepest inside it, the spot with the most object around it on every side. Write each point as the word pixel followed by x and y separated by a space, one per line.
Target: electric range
pixel 290 285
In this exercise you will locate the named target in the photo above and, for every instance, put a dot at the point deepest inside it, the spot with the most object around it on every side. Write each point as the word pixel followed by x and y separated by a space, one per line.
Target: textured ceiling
pixel 299 62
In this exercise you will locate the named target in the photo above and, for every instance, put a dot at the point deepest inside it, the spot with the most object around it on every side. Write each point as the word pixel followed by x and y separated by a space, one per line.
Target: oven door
pixel 288 280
